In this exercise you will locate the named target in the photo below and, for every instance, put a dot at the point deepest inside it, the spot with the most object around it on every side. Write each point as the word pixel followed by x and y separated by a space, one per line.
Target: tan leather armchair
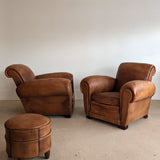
pixel 120 100
pixel 47 94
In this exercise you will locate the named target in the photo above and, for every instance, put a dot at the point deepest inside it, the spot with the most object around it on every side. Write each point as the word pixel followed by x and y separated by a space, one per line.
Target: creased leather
pixel 139 89
pixel 27 136
pixel 98 84
pixel 45 87
pixel 93 84
pixel 65 75
pixel 133 71
pixel 109 98
pixel 48 94
pixel 20 73
pixel 133 83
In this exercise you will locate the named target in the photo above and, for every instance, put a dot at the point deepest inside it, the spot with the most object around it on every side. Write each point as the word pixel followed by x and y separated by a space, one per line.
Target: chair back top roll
pixel 133 71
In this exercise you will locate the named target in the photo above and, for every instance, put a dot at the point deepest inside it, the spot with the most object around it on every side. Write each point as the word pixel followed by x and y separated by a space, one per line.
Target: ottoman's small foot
pixel 146 116
pixel 88 117
pixel 47 154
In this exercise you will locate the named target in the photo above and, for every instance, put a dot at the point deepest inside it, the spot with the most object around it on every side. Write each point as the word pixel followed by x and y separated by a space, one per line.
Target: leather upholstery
pixel 27 135
pixel 120 100
pixel 129 72
pixel 20 73
pixel 48 94
pixel 110 98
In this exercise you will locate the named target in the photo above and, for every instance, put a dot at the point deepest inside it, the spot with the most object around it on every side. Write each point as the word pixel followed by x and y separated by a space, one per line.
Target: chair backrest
pixel 20 73
pixel 133 71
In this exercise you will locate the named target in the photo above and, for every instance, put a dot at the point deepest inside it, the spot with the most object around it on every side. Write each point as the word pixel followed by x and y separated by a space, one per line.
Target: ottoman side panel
pixel 44 130
pixel 25 149
pixel 45 144
pixel 24 135
pixel 8 142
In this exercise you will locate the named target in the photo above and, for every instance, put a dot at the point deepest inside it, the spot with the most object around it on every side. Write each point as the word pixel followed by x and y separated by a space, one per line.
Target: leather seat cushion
pixel 109 98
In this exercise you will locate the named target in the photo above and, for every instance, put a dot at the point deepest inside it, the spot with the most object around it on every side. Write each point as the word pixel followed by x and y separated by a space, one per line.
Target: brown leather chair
pixel 47 94
pixel 120 100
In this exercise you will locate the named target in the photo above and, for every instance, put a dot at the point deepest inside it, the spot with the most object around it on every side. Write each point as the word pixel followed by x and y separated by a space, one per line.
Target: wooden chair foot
pixel 67 116
pixel 47 154
pixel 146 116
pixel 123 127
pixel 88 117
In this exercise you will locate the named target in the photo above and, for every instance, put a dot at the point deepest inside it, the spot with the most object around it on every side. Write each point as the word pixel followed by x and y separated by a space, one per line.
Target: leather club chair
pixel 47 94
pixel 120 100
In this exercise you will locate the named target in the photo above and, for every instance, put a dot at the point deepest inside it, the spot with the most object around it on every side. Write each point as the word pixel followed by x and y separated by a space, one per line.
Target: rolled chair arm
pixel 96 84
pixel 20 73
pixel 45 87
pixel 57 75
pixel 139 89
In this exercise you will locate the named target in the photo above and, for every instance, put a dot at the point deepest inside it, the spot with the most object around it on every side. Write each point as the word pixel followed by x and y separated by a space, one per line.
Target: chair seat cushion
pixel 109 98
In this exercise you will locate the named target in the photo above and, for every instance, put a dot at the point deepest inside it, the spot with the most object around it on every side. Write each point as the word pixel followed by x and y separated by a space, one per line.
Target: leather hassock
pixel 27 136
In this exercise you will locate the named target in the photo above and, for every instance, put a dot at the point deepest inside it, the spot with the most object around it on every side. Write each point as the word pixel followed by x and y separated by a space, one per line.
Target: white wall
pixel 84 37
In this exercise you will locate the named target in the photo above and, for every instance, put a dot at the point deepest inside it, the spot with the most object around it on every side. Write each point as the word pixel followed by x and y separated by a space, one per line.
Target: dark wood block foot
pixel 123 127
pixel 88 117
pixel 67 116
pixel 47 154
pixel 146 116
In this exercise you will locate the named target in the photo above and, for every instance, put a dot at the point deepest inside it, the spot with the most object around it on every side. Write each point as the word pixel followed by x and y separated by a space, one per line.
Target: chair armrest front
pixel 94 84
pixel 131 95
pixel 45 87
pixel 139 89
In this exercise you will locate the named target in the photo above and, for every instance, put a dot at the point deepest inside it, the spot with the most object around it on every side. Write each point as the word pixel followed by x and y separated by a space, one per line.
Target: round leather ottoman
pixel 28 135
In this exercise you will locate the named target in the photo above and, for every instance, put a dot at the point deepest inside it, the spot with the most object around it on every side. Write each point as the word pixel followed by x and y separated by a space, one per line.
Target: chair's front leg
pixel 47 154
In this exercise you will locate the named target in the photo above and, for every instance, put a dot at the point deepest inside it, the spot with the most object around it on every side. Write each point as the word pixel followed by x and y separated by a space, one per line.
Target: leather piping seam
pixel 150 70
pixel 121 104
pixel 89 99
pixel 38 141
pixel 10 154
pixel 18 74
pixel 30 128
pixel 131 92
pixel 39 138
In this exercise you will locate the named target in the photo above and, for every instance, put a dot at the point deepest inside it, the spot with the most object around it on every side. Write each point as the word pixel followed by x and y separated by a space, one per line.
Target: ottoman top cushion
pixel 27 121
